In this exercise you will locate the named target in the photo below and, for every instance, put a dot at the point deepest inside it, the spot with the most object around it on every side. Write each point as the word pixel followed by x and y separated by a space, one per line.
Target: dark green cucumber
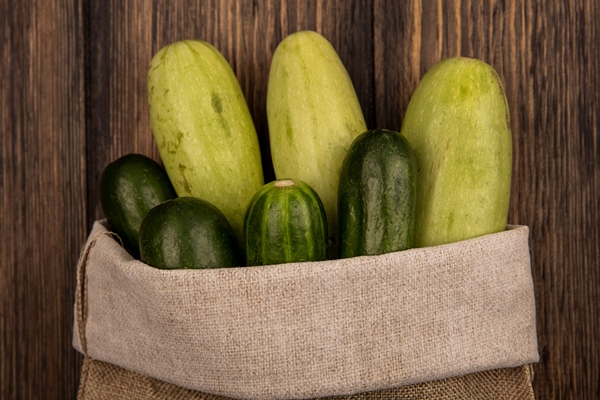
pixel 188 233
pixel 376 196
pixel 285 222
pixel 129 188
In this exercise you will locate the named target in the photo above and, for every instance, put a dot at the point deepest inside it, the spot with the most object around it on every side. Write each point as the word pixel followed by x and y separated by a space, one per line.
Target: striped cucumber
pixel 313 114
pixel 285 222
pixel 377 195
pixel 203 128
pixel 458 124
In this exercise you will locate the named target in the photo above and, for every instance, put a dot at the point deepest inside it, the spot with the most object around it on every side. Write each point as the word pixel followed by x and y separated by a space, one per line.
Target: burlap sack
pixel 307 330
pixel 101 381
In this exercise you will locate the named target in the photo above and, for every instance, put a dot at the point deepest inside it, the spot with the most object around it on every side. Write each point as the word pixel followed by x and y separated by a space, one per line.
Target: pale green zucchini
pixel 313 115
pixel 458 125
pixel 203 128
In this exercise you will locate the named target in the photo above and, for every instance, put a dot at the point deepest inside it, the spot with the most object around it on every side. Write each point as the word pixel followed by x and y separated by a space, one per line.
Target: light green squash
pixel 203 128
pixel 458 125
pixel 313 115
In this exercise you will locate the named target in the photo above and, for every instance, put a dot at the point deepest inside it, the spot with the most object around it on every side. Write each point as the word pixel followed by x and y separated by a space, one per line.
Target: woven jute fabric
pixel 308 330
pixel 101 381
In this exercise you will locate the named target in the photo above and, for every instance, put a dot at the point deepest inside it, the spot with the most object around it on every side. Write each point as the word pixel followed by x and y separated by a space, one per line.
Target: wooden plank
pixel 563 159
pixel 544 53
pixel 43 195
pixel 119 50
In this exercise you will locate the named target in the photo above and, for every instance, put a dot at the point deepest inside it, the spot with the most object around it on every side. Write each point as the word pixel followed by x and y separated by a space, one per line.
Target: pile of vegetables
pixel 340 190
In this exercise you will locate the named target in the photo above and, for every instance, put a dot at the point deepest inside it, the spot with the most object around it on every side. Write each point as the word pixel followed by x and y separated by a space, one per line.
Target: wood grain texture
pixel 76 100
pixel 43 212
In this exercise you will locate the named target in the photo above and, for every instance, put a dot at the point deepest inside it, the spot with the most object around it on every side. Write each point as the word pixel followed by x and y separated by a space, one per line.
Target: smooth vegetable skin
pixel 458 124
pixel 203 128
pixel 285 222
pixel 313 114
pixel 129 188
pixel 188 233
pixel 377 195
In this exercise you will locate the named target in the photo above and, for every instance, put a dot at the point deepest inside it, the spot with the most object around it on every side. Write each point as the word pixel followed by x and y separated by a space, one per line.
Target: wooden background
pixel 72 87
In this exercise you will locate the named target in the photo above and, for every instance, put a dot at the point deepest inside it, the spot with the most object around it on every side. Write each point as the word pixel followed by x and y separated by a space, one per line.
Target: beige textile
pixel 310 330
pixel 101 381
